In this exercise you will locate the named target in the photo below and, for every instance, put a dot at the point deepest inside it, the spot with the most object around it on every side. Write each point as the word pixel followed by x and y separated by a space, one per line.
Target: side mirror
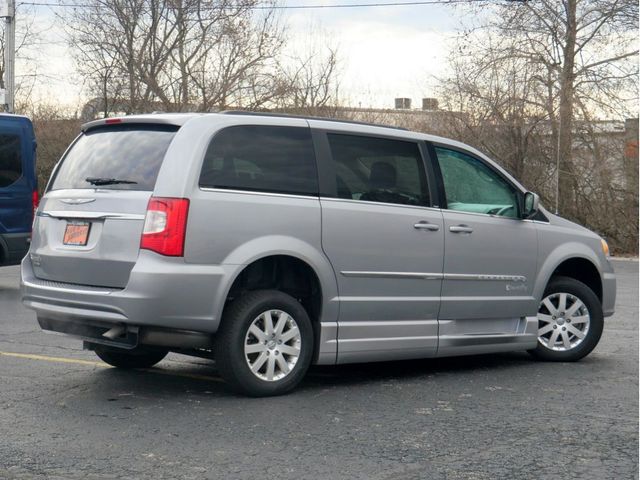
pixel 531 204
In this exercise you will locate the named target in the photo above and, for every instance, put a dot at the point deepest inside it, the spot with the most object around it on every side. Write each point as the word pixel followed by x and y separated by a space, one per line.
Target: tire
pixel 139 357
pixel 587 318
pixel 244 341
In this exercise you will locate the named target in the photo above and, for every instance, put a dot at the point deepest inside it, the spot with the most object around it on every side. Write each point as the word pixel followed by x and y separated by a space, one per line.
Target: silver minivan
pixel 271 242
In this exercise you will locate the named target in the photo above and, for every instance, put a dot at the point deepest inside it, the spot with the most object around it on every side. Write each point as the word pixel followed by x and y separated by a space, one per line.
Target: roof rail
pixel 307 117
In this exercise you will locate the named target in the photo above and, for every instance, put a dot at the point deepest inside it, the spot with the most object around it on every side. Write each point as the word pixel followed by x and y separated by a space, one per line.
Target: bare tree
pixel 531 81
pixel 584 51
pixel 310 74
pixel 178 55
pixel 502 105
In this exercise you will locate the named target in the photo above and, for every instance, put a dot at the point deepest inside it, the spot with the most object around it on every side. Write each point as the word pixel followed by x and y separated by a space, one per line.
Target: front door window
pixel 471 186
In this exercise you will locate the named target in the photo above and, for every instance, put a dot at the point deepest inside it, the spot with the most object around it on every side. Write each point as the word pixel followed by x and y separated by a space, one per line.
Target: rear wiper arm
pixel 107 181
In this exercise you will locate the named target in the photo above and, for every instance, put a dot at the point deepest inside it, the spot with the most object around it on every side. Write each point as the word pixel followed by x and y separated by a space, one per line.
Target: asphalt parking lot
pixel 65 415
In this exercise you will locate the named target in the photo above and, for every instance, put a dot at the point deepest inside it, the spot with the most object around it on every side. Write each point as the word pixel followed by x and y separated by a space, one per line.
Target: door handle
pixel 461 229
pixel 432 227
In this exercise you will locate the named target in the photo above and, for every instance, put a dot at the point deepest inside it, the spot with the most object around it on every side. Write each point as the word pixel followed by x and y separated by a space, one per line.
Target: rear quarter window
pixel 129 152
pixel 261 158
pixel 10 159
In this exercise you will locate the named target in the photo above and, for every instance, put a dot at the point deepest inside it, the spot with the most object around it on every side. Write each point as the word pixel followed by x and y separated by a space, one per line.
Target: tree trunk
pixel 566 178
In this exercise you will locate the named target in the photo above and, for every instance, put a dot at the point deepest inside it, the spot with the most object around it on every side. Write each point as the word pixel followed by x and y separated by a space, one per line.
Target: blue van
pixel 18 187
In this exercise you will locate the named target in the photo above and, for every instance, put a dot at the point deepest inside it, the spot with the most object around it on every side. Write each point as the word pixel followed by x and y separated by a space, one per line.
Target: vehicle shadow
pixel 407 370
pixel 201 378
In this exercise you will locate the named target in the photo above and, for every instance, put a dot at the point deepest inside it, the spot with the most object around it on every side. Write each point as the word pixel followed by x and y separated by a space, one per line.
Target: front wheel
pixel 265 343
pixel 570 321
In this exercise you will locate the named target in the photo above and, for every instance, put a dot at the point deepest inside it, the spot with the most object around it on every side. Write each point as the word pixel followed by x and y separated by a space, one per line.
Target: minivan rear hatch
pixel 92 215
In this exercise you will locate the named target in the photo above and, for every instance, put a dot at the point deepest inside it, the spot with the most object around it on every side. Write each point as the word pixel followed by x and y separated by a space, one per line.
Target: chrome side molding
pixel 495 278
pixel 425 276
pixel 436 276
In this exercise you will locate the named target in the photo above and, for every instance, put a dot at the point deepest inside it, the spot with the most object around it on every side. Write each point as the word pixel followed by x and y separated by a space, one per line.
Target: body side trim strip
pixel 435 276
pixel 486 277
pixel 426 276
pixel 385 299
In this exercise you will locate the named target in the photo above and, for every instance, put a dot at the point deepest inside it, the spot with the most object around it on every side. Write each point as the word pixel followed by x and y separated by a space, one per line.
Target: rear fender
pixel 272 245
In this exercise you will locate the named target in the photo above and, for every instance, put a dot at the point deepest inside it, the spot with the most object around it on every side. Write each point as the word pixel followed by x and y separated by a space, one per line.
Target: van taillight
pixel 165 226
pixel 35 200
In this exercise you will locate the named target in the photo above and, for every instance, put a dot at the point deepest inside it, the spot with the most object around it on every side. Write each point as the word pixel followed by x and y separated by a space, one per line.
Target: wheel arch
pixel 250 258
pixel 279 272
pixel 572 260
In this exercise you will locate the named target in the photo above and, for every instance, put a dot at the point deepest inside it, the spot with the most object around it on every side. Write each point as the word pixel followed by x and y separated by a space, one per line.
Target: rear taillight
pixel 35 200
pixel 165 226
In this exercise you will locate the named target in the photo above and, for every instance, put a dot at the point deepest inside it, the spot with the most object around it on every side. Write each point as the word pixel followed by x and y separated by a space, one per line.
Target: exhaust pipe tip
pixel 115 332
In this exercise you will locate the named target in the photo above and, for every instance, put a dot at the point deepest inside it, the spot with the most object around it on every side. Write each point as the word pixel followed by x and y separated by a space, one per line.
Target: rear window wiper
pixel 107 181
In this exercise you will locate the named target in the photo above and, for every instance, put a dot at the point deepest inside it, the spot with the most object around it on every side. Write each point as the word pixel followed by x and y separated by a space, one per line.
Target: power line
pixel 291 7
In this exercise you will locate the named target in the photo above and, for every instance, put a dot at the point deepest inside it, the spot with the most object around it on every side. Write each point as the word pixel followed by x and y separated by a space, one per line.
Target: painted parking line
pixel 46 358
pixel 51 359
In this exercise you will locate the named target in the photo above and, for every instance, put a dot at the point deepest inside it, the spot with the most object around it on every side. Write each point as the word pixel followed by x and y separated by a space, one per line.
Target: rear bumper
pixel 161 292
pixel 13 247
pixel 608 293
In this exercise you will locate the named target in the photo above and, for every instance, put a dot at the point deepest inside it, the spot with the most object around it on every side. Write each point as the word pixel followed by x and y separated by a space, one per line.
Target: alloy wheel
pixel 272 345
pixel 563 321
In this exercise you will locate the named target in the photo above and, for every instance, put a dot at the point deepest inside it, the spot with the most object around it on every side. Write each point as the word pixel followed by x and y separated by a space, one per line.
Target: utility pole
pixel 557 212
pixel 9 14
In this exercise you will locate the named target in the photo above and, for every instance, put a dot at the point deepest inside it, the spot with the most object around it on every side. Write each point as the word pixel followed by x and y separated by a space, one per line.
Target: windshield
pixel 123 157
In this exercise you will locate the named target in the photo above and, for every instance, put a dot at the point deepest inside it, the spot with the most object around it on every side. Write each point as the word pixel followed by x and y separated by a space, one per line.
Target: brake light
pixel 165 226
pixel 111 121
pixel 35 200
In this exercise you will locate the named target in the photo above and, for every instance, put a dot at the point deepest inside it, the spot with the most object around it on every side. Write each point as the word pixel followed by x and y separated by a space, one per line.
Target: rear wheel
pixel 570 321
pixel 139 357
pixel 265 343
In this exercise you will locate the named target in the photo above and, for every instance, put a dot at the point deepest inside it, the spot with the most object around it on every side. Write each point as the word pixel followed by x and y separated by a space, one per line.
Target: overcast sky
pixel 384 52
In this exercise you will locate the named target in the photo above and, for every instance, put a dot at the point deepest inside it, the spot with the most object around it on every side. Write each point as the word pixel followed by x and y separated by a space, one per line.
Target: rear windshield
pixel 123 157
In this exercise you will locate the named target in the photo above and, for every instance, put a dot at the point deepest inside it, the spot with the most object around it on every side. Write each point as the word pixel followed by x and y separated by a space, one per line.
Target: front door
pixel 490 253
pixel 385 243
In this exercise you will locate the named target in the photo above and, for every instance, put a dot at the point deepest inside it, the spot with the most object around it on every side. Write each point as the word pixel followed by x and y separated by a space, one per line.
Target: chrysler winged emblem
pixel 77 201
